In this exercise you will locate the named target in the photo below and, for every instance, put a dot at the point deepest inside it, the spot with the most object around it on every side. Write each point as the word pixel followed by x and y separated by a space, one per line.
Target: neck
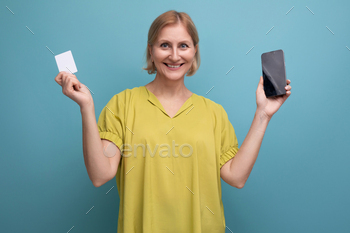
pixel 168 89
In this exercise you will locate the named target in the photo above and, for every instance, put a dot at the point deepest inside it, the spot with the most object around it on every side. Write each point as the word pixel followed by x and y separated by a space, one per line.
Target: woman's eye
pixel 165 45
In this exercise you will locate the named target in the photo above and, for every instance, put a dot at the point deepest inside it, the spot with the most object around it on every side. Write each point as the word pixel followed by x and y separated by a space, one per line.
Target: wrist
pixel 262 116
pixel 260 122
pixel 87 108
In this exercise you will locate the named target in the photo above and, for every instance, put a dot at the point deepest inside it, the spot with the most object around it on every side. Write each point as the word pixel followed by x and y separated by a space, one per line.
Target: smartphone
pixel 274 73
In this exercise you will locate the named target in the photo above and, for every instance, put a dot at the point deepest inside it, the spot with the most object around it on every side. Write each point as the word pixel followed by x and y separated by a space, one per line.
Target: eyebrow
pixel 184 41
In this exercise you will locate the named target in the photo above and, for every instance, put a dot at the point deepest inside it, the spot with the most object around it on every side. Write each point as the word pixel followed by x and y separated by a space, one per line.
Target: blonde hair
pixel 169 18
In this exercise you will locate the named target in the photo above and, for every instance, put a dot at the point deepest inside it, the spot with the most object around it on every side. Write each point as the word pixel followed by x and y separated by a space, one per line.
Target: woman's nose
pixel 175 54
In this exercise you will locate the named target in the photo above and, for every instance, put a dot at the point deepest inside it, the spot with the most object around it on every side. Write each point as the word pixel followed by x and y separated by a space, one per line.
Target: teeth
pixel 173 66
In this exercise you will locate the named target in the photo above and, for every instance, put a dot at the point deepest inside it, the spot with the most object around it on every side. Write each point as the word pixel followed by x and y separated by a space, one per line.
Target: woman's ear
pixel 150 51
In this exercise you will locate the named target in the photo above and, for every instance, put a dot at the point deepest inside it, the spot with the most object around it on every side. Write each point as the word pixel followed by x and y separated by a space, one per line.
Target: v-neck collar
pixel 154 100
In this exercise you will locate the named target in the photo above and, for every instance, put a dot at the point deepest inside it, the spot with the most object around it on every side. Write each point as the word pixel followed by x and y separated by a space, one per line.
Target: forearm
pixel 97 165
pixel 243 162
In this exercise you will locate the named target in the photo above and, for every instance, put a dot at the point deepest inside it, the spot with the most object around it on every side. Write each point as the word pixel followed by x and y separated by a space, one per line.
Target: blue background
pixel 300 181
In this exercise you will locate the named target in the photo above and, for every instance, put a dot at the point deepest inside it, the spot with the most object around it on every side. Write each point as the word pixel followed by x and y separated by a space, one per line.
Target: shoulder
pixel 127 95
pixel 208 103
pixel 211 109
pixel 129 92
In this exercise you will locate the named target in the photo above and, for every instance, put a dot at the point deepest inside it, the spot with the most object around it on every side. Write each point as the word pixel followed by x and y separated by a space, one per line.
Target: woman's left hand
pixel 270 105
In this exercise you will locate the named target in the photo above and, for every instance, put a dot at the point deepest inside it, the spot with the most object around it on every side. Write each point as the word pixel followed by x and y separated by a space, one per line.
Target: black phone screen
pixel 274 73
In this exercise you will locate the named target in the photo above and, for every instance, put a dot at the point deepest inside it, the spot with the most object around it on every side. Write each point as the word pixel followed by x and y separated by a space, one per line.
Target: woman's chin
pixel 173 75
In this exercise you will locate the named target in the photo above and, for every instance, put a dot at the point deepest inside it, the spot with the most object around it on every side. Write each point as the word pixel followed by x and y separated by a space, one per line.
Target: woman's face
pixel 174 47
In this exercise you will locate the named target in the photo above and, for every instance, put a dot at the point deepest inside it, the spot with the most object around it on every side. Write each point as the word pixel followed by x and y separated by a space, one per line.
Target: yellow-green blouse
pixel 168 178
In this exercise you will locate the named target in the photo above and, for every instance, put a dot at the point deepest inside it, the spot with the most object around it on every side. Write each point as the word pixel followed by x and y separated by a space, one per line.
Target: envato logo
pixel 165 150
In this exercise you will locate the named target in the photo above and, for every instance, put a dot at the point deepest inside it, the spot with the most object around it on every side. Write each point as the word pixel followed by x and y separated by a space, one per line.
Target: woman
pixel 167 146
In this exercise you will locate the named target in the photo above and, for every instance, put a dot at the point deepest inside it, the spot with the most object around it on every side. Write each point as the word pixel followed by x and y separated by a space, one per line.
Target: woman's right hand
pixel 74 89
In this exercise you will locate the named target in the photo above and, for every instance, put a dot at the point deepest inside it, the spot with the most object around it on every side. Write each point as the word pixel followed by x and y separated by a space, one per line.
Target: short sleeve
pixel 229 142
pixel 111 122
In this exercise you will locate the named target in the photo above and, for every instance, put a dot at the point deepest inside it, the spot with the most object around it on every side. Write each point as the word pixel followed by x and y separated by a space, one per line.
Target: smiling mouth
pixel 173 66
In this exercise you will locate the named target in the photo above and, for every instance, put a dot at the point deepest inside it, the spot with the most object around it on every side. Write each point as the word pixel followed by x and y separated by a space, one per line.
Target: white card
pixel 65 62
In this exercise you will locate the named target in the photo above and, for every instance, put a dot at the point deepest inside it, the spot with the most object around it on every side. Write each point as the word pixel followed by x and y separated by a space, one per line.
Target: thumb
pixel 261 82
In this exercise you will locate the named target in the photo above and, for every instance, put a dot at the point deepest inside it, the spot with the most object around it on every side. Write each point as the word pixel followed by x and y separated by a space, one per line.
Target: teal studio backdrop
pixel 300 181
